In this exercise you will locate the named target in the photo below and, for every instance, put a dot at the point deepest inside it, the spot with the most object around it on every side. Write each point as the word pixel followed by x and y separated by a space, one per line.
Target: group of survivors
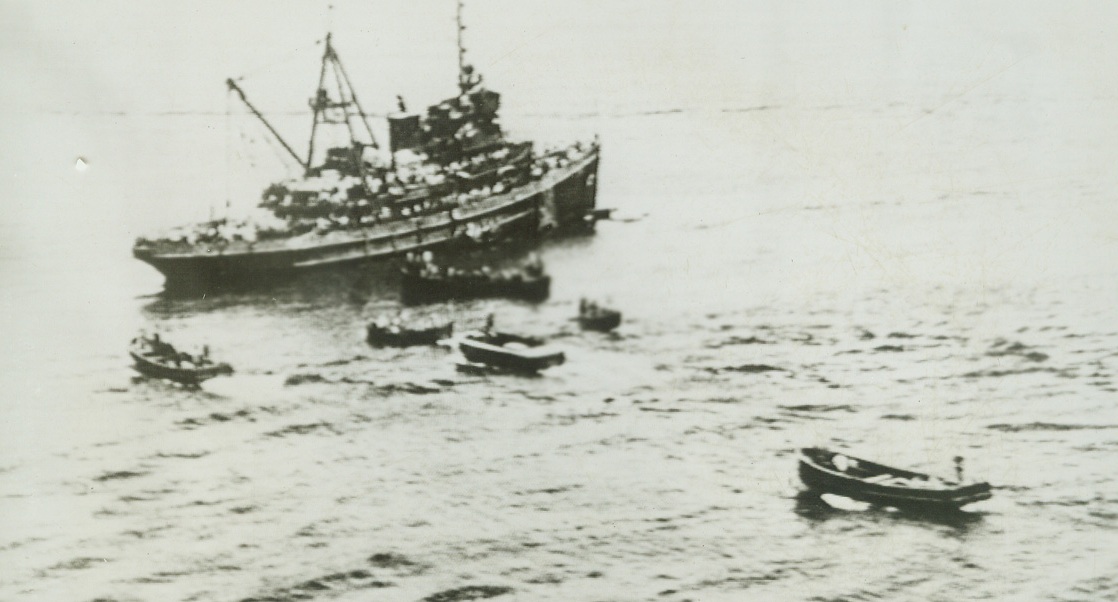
pixel 342 199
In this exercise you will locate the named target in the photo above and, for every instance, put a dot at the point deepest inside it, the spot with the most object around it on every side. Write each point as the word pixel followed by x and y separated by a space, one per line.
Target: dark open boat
pixel 404 335
pixel 179 367
pixel 509 351
pixel 431 287
pixel 826 471
pixel 592 316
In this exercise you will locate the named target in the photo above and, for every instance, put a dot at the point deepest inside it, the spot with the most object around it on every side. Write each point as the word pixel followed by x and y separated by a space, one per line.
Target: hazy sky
pixel 174 56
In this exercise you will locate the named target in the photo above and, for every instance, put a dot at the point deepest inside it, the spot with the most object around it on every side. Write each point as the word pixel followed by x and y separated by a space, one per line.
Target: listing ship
pixel 451 178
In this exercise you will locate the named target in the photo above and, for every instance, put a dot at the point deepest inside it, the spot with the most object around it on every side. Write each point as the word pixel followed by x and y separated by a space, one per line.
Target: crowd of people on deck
pixel 557 159
pixel 466 121
pixel 388 194
pixel 220 233
pixel 331 202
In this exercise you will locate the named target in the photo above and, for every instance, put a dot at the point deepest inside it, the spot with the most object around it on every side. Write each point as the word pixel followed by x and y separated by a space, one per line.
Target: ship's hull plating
pixel 562 200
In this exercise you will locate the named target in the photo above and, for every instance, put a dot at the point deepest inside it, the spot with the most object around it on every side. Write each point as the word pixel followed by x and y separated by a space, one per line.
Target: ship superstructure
pixel 453 177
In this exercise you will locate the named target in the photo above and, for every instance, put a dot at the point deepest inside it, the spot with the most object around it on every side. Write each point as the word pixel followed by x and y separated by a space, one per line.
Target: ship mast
pixel 322 102
pixel 315 105
pixel 463 77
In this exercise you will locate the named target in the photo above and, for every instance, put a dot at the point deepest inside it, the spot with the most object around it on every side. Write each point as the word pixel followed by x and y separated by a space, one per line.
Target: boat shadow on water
pixel 482 370
pixel 813 507
pixel 160 391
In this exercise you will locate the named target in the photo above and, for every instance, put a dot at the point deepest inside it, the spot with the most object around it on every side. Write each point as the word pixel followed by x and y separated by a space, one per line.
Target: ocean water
pixel 883 228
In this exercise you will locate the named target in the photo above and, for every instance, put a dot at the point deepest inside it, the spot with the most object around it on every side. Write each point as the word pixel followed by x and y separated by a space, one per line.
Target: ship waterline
pixel 562 200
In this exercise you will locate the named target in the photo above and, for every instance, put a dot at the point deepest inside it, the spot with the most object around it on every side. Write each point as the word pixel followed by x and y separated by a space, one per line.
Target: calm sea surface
pixel 872 227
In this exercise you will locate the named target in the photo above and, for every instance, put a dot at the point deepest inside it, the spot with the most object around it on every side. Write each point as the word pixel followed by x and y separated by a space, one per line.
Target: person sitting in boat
pixel 161 348
pixel 181 358
pixel 842 463
pixel 534 267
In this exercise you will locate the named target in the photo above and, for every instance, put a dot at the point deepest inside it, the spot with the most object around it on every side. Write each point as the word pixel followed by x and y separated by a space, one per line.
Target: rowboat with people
pixel 826 471
pixel 424 281
pixel 395 332
pixel 592 316
pixel 448 177
pixel 154 357
pixel 508 351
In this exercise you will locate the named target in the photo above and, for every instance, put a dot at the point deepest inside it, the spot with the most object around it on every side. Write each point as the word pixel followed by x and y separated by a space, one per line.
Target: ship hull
pixel 561 201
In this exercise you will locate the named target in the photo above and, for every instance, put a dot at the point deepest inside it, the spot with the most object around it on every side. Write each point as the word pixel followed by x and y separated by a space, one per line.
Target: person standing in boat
pixel 534 267
pixel 162 348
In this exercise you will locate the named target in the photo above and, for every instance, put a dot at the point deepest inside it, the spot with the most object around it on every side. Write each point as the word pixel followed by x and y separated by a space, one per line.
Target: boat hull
pixel 419 289
pixel 526 360
pixel 562 200
pixel 601 322
pixel 824 479
pixel 407 337
pixel 186 376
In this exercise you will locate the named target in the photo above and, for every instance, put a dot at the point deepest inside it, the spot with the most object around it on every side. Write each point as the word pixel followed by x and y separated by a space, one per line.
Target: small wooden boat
pixel 425 282
pixel 433 288
pixel 157 359
pixel 592 316
pixel 394 334
pixel 826 471
pixel 509 351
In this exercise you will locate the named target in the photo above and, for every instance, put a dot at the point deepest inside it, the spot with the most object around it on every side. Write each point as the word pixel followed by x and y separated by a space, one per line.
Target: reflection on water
pixel 814 507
